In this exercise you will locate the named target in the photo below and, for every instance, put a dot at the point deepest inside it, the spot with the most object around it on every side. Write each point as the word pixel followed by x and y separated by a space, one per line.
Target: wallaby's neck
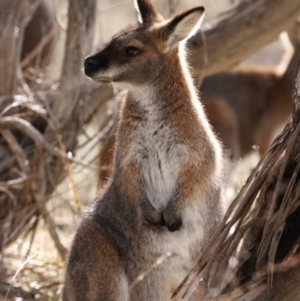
pixel 171 89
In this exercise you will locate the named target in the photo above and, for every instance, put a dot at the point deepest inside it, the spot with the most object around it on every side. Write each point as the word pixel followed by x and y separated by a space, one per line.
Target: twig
pixel 17 272
pixel 105 133
pixel 40 201
pixel 158 262
pixel 37 49
pixel 27 128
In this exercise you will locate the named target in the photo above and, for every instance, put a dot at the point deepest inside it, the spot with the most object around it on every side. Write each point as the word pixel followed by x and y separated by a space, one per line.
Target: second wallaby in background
pixel 164 197
pixel 260 98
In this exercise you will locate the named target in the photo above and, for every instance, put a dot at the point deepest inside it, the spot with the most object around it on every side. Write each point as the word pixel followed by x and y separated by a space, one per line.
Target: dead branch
pixel 39 48
pixel 36 128
pixel 12 27
pixel 239 33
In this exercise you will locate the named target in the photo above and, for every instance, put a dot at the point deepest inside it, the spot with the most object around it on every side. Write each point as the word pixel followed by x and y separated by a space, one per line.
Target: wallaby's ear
pixel 147 13
pixel 183 26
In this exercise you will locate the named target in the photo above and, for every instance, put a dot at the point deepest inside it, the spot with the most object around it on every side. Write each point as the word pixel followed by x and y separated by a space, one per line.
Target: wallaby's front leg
pixel 150 213
pixel 172 213
pixel 187 185
pixel 136 189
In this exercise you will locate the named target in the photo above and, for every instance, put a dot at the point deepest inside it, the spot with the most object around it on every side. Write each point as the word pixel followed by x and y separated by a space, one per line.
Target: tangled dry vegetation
pixel 39 129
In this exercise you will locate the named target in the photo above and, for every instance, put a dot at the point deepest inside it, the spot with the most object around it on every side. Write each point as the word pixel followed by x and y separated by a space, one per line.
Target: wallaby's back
pixel 224 123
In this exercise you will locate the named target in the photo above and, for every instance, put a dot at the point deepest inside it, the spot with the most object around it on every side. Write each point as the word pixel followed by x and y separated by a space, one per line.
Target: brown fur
pixel 93 244
pixel 224 122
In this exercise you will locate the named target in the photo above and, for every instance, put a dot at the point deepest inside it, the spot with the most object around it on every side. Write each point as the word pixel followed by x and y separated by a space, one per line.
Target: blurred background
pixel 57 128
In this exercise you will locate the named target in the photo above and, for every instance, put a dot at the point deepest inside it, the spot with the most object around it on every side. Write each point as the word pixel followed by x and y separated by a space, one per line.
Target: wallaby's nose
pixel 95 63
pixel 90 62
pixel 90 66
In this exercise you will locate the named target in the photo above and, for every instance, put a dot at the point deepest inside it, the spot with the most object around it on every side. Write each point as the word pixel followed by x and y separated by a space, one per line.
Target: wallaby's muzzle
pixel 95 64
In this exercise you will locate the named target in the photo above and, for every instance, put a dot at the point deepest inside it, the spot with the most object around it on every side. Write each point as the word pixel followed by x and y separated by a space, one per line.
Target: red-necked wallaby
pixel 260 98
pixel 164 196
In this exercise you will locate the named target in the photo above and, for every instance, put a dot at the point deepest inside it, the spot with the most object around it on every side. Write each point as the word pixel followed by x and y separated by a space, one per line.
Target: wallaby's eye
pixel 132 51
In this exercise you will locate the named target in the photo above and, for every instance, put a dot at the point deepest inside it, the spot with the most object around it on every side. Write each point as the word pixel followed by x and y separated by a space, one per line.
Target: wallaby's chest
pixel 160 155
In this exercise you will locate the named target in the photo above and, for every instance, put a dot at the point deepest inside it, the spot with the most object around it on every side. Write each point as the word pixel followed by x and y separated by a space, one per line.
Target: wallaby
pixel 165 194
pixel 260 98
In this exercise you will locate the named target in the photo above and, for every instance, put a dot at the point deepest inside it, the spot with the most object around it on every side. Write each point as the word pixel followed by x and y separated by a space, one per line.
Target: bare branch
pixel 240 32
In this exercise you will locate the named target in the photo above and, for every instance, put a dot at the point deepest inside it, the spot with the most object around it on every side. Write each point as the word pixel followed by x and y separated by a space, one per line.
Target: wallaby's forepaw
pixel 151 214
pixel 172 220
pixel 155 218
pixel 174 225
pixel 168 217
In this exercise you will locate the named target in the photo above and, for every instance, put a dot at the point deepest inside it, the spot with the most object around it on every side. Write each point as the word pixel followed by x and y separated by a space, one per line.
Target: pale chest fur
pixel 159 154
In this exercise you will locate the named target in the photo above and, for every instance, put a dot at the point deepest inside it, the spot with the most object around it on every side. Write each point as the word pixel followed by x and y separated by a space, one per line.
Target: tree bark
pixel 13 22
pixel 241 32
pixel 48 128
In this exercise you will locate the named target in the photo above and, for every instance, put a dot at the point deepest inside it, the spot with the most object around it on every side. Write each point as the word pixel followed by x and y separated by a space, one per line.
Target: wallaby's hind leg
pixel 94 270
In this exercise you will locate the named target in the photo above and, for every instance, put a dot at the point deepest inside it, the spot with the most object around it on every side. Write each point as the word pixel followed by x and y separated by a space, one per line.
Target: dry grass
pixel 34 270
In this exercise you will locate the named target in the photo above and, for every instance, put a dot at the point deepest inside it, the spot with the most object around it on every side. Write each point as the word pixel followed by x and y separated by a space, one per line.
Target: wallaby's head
pixel 137 55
